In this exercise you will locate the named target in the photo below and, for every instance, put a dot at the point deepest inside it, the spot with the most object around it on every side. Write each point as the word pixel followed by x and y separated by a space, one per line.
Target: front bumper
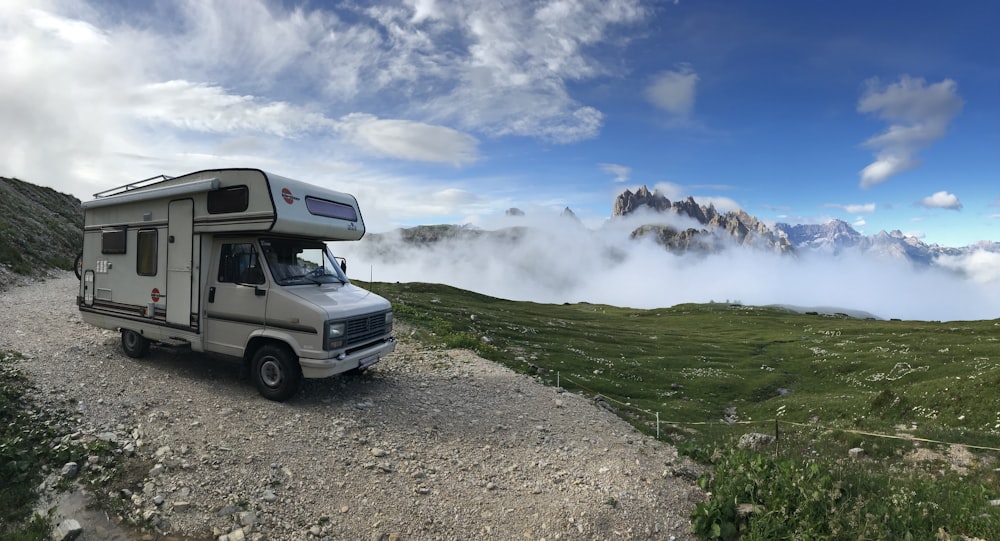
pixel 324 368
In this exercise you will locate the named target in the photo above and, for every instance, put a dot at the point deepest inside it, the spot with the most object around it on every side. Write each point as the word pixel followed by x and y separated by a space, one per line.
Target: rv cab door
pixel 236 296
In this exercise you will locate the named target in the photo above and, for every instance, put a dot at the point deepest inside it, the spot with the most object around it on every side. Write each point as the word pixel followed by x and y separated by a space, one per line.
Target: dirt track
pixel 430 444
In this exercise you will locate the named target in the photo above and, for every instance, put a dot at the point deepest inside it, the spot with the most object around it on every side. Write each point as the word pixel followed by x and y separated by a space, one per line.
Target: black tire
pixel 78 266
pixel 134 344
pixel 276 372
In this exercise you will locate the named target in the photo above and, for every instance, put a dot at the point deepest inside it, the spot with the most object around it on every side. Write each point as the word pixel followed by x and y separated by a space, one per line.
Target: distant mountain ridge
pixel 833 237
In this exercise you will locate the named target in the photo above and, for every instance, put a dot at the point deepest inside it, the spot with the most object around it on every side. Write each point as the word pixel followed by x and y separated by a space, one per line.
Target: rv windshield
pixel 301 261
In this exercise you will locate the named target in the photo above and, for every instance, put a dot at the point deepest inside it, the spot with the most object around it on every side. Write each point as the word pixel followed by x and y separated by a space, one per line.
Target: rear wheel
pixel 276 372
pixel 134 344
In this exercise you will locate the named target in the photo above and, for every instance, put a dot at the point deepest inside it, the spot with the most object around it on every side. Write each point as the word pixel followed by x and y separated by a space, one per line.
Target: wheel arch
pixel 261 340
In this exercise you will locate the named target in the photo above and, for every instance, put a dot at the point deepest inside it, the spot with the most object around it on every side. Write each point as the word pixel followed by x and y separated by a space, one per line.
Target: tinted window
pixel 331 209
pixel 145 264
pixel 113 241
pixel 225 200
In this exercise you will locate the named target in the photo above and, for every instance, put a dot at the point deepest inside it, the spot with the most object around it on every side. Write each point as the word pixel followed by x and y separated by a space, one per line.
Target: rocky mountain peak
pixel 628 202
pixel 736 225
pixel 834 235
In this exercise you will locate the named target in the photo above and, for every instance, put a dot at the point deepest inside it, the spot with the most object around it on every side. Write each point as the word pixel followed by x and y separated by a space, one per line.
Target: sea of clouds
pixel 556 259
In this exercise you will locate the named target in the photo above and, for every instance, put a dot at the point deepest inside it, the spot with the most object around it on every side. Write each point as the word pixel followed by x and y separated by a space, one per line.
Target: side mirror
pixel 343 265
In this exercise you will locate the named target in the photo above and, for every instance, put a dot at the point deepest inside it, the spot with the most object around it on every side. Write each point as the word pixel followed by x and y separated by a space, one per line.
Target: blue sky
pixel 880 114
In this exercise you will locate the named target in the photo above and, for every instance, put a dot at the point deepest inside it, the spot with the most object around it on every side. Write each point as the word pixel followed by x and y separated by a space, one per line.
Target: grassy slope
pixel 828 379
pixel 691 362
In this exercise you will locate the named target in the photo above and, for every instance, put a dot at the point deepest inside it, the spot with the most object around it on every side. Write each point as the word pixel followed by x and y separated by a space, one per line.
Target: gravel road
pixel 429 444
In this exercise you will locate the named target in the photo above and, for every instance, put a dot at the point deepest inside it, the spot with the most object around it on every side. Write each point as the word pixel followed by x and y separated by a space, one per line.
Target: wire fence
pixel 655 417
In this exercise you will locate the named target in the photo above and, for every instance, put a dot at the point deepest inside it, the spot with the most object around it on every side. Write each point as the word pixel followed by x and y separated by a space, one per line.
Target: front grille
pixel 364 329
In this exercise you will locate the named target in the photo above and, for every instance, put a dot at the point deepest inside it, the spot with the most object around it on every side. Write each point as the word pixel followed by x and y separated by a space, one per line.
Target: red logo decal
pixel 155 295
pixel 286 194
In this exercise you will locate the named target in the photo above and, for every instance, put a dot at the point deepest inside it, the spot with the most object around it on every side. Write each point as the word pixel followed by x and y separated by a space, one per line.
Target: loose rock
pixel 459 447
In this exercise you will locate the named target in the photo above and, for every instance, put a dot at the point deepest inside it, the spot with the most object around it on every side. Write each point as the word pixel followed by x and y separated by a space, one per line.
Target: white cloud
pixel 509 64
pixel 981 266
pixel 620 172
pixel 70 31
pixel 918 114
pixel 210 109
pixel 857 209
pixel 410 140
pixel 424 10
pixel 113 91
pixel 721 204
pixel 942 200
pixel 117 102
pixel 444 202
pixel 674 91
pixel 859 222
pixel 257 46
pixel 853 208
pixel 670 190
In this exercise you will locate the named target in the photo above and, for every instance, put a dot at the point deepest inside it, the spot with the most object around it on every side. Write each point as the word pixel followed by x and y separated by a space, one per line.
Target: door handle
pixel 211 294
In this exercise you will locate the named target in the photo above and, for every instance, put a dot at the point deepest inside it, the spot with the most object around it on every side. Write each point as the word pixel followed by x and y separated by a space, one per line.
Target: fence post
pixel 557 380
pixel 657 425
pixel 777 437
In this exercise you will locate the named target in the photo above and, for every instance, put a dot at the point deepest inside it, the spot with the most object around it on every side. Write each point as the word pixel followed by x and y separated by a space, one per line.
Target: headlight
pixel 388 319
pixel 335 335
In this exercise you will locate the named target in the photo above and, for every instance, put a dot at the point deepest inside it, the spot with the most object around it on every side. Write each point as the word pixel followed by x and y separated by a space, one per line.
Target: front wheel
pixel 276 372
pixel 134 344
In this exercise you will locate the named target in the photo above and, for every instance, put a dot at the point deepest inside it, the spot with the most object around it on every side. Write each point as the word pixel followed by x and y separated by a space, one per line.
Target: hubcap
pixel 270 373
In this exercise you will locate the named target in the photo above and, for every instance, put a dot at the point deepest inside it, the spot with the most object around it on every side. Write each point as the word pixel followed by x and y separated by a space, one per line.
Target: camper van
pixel 232 262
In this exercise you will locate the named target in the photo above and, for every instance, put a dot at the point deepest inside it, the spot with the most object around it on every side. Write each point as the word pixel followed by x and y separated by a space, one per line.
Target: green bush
pixel 760 496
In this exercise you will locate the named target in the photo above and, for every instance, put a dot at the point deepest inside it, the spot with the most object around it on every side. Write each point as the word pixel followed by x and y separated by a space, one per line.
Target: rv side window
pixel 331 209
pixel 226 200
pixel 113 241
pixel 238 264
pixel 145 263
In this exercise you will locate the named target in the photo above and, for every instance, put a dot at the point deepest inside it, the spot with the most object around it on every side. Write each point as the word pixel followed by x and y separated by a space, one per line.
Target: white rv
pixel 233 262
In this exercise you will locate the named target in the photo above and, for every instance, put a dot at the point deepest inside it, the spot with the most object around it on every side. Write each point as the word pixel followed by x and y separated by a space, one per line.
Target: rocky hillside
pixel 40 229
pixel 721 229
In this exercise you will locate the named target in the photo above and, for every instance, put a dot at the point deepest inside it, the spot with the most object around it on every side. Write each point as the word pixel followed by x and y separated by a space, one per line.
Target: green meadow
pixel 919 398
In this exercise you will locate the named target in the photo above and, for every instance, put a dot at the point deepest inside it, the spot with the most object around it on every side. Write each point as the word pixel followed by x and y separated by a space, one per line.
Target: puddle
pixel 74 504
pixel 95 523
